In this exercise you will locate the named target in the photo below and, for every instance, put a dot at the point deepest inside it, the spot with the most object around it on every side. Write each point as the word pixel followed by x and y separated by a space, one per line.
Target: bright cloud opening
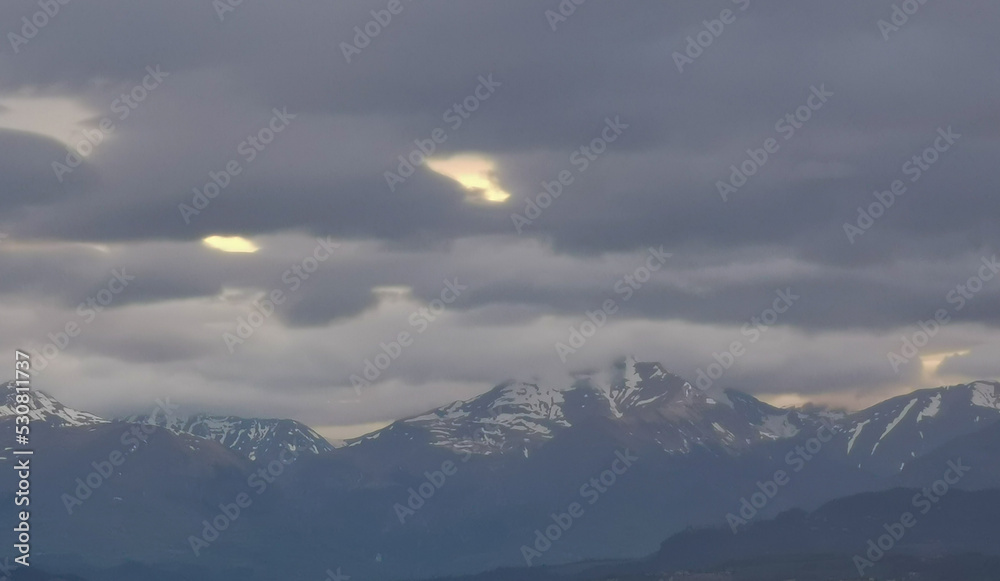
pixel 476 173
pixel 230 244
pixel 54 117
pixel 783 400
pixel 932 362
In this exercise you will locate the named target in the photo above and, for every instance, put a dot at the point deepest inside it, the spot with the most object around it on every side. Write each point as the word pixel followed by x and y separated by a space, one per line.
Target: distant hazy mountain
pixel 887 436
pixel 643 399
pixel 953 541
pixel 45 409
pixel 959 523
pixel 464 487
pixel 255 438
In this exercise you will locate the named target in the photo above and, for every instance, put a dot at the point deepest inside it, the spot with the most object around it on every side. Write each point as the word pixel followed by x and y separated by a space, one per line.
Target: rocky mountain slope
pixel 462 488
pixel 254 438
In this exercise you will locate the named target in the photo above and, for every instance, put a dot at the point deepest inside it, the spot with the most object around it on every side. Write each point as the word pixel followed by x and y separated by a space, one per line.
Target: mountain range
pixel 467 487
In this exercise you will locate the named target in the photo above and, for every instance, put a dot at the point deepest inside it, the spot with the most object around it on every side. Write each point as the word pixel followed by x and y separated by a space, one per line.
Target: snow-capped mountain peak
pixel 642 399
pixel 255 438
pixel 44 408
pixel 986 394
pixel 513 415
pixel 641 384
pixel 886 436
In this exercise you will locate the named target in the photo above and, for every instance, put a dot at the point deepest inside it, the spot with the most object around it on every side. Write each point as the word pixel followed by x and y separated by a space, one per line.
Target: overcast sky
pixel 645 111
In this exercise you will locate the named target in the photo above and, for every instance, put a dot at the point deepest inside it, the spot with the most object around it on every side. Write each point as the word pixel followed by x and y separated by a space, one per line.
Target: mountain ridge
pixel 517 417
pixel 254 438
pixel 645 398
pixel 499 464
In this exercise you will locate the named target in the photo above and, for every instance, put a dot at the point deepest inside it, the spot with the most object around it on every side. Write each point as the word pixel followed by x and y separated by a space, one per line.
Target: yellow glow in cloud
pixel 392 293
pixel 783 400
pixel 230 244
pixel 340 433
pixel 55 117
pixel 932 362
pixel 475 173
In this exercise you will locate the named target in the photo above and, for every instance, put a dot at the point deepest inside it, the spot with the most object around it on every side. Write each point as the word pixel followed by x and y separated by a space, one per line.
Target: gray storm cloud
pixel 655 185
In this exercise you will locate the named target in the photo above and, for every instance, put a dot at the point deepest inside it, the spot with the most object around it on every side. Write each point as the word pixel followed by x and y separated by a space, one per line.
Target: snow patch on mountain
pixel 643 399
pixel 892 425
pixel 985 395
pixel 43 408
pixel 453 411
pixel 932 408
pixel 254 438
pixel 531 401
pixel 504 418
pixel 634 390
pixel 855 433
pixel 778 427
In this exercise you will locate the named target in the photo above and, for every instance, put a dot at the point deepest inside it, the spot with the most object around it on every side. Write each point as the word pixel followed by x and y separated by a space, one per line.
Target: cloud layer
pixel 606 144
